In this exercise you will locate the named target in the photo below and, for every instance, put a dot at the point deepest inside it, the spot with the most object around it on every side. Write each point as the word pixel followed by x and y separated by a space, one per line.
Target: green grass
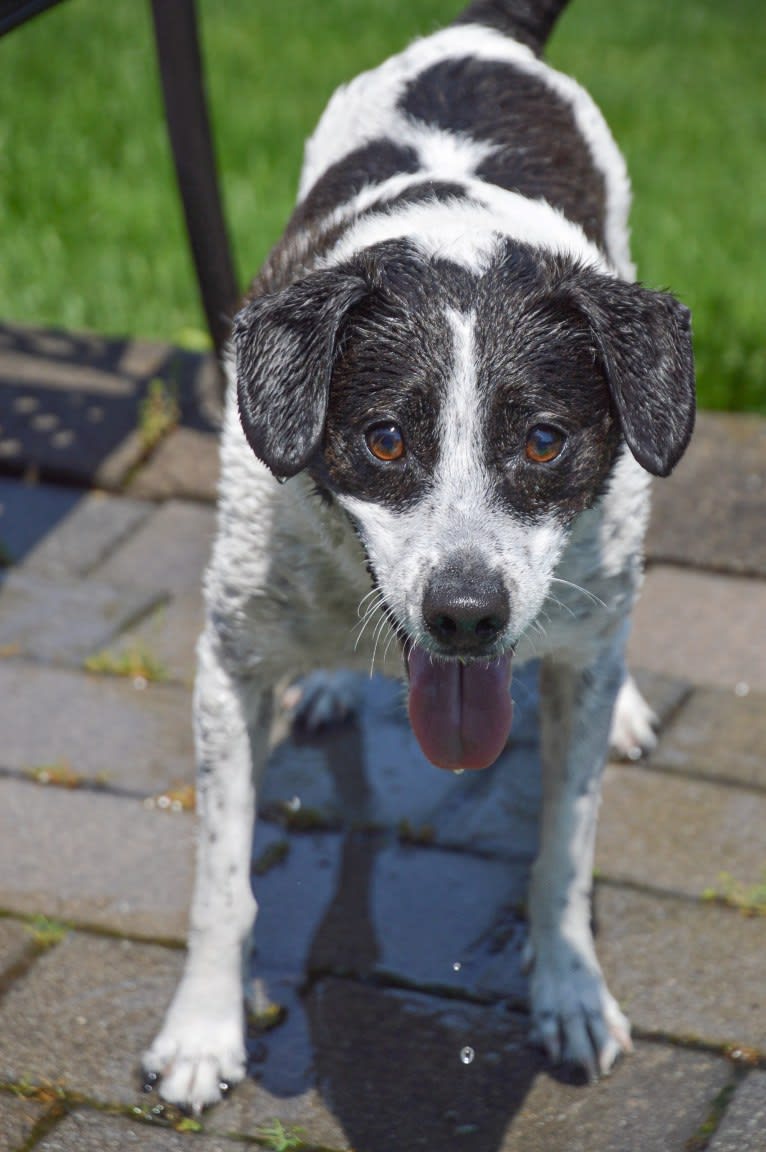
pixel 90 229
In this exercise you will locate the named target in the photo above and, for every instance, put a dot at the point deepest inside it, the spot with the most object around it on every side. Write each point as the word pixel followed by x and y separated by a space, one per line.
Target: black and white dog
pixel 449 347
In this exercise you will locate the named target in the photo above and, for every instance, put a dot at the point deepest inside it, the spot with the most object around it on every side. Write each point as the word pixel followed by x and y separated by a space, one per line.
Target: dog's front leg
pixel 574 1015
pixel 201 1047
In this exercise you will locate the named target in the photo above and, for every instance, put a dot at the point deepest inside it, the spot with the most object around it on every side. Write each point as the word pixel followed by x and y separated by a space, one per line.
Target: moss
pixel 270 857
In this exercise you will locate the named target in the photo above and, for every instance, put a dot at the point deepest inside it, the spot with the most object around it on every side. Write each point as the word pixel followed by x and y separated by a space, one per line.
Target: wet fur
pixel 457 263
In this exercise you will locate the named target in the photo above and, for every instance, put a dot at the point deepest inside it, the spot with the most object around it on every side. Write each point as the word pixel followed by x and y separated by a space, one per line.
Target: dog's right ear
pixel 285 346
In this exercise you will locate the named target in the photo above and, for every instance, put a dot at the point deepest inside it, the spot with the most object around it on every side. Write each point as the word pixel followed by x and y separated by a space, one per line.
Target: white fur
pixel 467 233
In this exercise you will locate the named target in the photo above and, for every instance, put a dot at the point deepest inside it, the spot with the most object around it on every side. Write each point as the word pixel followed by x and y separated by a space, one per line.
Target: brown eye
pixel 544 443
pixel 385 441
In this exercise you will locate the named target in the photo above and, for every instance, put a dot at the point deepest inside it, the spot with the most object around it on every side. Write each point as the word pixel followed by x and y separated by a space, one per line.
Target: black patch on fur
pixel 375 162
pixel 529 21
pixel 421 192
pixel 537 364
pixel 394 364
pixel 540 151
pixel 285 345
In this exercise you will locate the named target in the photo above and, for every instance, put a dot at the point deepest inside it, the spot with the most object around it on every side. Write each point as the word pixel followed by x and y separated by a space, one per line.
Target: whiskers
pixel 372 612
pixel 591 596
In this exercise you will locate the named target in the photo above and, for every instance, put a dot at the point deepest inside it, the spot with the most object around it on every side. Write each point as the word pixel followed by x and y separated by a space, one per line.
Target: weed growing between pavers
pixel 134 662
pixel 182 798
pixel 750 899
pixel 278 1138
pixel 159 412
pixel 46 931
pixel 707 1130
pixel 61 774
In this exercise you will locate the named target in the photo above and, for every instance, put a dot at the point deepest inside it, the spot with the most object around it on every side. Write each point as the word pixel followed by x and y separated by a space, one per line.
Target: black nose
pixel 465 610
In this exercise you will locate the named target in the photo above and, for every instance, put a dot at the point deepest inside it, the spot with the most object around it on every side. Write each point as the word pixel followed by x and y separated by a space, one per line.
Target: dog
pixel 447 396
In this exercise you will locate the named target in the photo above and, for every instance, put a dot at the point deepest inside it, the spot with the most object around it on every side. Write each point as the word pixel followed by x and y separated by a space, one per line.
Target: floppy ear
pixel 285 345
pixel 644 342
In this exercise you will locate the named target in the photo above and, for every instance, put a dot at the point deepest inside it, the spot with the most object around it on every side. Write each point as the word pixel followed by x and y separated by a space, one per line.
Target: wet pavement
pixel 391 895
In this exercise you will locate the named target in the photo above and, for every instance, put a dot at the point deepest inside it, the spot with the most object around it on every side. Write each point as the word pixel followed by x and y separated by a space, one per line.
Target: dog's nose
pixel 465 612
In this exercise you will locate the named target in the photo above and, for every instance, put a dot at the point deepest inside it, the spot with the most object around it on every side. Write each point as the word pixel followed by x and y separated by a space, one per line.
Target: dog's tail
pixel 530 21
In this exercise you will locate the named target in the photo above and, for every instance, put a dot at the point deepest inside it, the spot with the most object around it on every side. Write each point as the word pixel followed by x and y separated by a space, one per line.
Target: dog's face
pixel 463 420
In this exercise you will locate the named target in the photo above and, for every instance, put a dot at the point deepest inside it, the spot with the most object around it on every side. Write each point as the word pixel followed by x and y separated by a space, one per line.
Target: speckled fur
pixel 442 270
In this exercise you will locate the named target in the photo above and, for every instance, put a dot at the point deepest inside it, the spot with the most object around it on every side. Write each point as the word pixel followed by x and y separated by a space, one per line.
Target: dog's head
pixel 463 420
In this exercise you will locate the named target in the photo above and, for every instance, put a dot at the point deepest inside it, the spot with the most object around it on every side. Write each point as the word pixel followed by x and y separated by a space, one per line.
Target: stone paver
pixel 28 513
pixel 169 552
pixel 95 859
pixel 64 620
pixel 683 969
pixel 101 728
pixel 15 945
pixel 184 464
pixel 92 1132
pixel 393 1064
pixel 655 1101
pixel 679 834
pixel 717 734
pixel 94 527
pixel 743 1128
pixel 701 627
pixel 169 635
pixel 17 1119
pixel 84 1013
pixel 710 513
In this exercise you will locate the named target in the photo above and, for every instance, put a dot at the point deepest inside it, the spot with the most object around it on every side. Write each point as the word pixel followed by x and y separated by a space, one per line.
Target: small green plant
pixel 158 413
pixel 277 1138
pixel 47 932
pixel 135 662
pixel 750 899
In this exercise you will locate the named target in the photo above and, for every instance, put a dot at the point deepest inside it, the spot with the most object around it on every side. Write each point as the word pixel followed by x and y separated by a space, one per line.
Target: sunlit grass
pixel 90 229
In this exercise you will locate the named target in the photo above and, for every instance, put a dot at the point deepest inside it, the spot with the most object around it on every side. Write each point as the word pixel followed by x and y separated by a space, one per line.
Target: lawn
pixel 90 229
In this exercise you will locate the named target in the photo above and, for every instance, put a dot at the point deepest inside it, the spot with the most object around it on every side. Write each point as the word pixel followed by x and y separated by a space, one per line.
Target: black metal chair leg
pixel 178 52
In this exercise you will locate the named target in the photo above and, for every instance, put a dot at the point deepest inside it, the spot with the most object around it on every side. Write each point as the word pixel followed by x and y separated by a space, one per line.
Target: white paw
pixel 322 700
pixel 196 1059
pixel 633 723
pixel 575 1018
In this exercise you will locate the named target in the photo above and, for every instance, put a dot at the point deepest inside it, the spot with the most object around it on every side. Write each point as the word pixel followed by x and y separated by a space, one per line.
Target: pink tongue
pixel 460 713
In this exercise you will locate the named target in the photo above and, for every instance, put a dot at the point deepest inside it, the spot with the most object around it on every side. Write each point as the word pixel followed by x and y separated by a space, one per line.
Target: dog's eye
pixel 544 443
pixel 385 441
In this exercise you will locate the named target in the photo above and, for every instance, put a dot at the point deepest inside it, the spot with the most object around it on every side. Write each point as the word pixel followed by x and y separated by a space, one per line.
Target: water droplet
pixel 294 804
pixel 635 753
pixel 139 683
pixel 458 771
pixel 456 966
pixel 742 688
pixel 163 801
pixel 467 1054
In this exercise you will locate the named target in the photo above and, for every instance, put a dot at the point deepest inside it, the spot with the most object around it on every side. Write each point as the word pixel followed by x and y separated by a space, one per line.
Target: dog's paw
pixel 575 1018
pixel 322 700
pixel 633 724
pixel 194 1063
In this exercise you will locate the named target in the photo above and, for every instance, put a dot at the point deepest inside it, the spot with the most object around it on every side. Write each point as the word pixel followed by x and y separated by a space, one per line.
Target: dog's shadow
pixel 395 945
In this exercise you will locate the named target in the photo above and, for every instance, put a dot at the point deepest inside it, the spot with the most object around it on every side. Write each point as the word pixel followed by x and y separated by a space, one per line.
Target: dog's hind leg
pixel 574 1016
pixel 201 1047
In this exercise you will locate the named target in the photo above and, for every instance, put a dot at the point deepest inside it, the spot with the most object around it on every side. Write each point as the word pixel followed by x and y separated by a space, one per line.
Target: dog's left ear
pixel 644 342
pixel 285 345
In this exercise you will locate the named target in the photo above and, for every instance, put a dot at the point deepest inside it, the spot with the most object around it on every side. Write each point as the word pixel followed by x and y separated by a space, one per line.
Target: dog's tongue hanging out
pixel 460 713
